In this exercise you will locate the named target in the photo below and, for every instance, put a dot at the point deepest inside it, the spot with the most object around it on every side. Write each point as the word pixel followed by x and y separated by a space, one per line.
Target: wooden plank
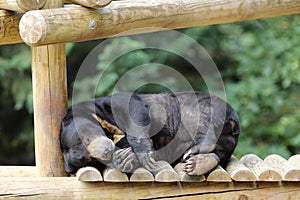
pixel 91 3
pixel 9 27
pixel 183 177
pixel 70 188
pixel 88 174
pixel 261 170
pixel 166 173
pixel 295 160
pixel 50 104
pixel 141 175
pixel 17 171
pixel 113 175
pixel 238 171
pixel 219 175
pixel 282 166
pixel 131 17
pixel 21 5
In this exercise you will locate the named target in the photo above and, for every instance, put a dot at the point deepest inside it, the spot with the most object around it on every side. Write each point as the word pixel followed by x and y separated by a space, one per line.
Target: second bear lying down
pixel 129 130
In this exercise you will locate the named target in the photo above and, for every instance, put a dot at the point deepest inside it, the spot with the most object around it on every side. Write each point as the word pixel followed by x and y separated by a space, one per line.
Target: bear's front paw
pixel 125 160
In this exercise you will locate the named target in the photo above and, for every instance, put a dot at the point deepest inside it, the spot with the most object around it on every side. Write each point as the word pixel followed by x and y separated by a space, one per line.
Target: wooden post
pixel 79 24
pixel 50 104
pixel 22 5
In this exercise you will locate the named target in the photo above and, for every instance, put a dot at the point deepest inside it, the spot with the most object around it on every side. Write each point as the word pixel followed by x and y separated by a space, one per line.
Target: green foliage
pixel 259 62
pixel 16 105
pixel 265 64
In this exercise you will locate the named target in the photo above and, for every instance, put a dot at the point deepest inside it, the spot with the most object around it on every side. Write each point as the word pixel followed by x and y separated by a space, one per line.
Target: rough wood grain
pixel 70 188
pixel 218 175
pixel 17 171
pixel 21 5
pixel 50 104
pixel 238 171
pixel 261 170
pixel 131 17
pixel 88 174
pixel 183 177
pixel 9 27
pixel 141 175
pixel 282 166
pixel 295 160
pixel 113 175
pixel 91 3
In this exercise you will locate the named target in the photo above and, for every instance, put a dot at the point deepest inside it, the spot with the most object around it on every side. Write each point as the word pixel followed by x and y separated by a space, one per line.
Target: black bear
pixel 128 130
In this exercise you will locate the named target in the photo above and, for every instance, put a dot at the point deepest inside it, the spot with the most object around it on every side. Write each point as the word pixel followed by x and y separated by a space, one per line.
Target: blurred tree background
pixel 259 61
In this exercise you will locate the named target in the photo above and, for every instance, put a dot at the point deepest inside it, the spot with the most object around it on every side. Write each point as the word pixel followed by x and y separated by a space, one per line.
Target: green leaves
pixel 265 59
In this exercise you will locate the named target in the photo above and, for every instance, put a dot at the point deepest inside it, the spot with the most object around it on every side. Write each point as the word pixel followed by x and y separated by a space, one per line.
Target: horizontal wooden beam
pixel 18 171
pixel 21 5
pixel 70 188
pixel 9 27
pixel 90 3
pixel 80 24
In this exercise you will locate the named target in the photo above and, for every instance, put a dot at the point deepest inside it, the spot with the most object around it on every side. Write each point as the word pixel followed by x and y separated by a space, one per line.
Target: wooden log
pixel 17 171
pixel 88 174
pixel 218 175
pixel 70 188
pixel 183 177
pixel 113 175
pixel 9 27
pixel 282 166
pixel 141 175
pixel 91 3
pixel 50 104
pixel 238 171
pixel 21 5
pixel 261 170
pixel 132 17
pixel 295 160
pixel 166 173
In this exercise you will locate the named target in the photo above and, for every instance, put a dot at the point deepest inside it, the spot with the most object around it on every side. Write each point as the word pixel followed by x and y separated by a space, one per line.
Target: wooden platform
pixel 250 168
pixel 247 178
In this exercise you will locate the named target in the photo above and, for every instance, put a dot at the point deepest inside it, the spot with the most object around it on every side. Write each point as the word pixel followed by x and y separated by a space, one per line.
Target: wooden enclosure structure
pixel 48 29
